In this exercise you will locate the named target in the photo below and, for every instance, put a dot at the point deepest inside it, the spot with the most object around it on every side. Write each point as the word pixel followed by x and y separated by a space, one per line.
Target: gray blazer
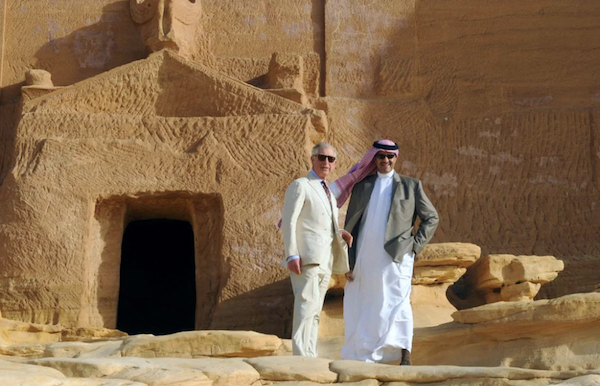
pixel 408 202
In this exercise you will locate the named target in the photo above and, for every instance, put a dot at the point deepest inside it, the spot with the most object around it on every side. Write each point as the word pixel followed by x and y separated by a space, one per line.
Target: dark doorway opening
pixel 157 292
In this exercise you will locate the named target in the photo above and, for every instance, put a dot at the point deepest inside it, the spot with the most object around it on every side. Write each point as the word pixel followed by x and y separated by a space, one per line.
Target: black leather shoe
pixel 405 358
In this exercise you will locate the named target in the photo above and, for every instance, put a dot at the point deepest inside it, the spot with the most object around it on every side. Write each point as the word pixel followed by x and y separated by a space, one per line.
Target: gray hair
pixel 315 149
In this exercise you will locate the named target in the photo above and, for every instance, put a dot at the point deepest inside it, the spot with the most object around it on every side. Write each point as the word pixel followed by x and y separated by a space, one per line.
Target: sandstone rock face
pixel 15 332
pixel 352 371
pixel 39 78
pixel 222 372
pixel 430 305
pixel 448 254
pixel 497 278
pixel 500 125
pixel 171 24
pixel 444 262
pixel 203 343
pixel 480 336
pixel 218 129
pixel 286 77
pixel 294 368
pixel 439 265
pixel 78 334
pixel 131 369
pixel 556 334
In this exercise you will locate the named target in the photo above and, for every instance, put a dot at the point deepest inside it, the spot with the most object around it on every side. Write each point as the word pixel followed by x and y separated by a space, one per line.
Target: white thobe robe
pixel 377 312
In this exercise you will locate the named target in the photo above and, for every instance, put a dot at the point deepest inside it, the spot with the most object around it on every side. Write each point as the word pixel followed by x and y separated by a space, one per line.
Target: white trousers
pixel 309 289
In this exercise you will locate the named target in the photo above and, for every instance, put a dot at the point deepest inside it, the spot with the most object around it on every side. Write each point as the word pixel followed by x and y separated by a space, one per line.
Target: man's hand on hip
pixel 294 266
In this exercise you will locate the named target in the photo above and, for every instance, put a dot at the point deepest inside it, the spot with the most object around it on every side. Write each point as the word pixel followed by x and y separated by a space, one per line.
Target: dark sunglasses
pixel 323 157
pixel 382 156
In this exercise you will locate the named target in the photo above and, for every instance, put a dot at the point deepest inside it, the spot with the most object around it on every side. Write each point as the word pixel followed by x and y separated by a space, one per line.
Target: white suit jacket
pixel 307 222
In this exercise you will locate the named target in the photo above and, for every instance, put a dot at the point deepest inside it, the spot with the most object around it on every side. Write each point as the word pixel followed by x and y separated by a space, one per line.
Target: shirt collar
pixel 315 174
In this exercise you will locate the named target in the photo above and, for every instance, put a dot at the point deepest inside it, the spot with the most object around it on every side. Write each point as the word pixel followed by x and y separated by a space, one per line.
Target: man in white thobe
pixel 381 217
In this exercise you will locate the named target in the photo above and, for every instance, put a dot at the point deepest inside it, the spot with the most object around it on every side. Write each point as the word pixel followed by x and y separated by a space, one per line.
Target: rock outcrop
pixel 528 343
pixel 438 266
pixel 555 334
pixel 496 278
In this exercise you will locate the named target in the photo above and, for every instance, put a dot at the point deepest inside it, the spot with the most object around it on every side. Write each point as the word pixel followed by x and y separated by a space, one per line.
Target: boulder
pixel 132 369
pixel 294 368
pixel 555 334
pixel 503 277
pixel 192 344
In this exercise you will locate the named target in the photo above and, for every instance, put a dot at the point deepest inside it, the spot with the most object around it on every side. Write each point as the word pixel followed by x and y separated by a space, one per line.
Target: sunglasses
pixel 382 156
pixel 323 157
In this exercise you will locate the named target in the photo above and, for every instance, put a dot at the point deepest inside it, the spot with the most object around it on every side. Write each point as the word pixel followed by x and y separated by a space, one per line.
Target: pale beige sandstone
pixel 330 347
pixel 70 334
pixel 556 334
pixel 237 371
pixel 27 350
pixel 460 255
pixel 478 382
pixel 83 350
pixel 171 24
pixel 39 78
pixel 222 372
pixel 202 343
pixel 11 365
pixel 515 293
pixel 430 305
pixel 504 278
pixel 366 382
pixel 331 319
pixel 337 282
pixel 584 380
pixel 494 271
pixel 164 376
pixel 496 108
pixel 286 71
pixel 352 371
pixel 286 77
pixel 132 369
pixel 21 339
pixel 285 348
pixel 514 138
pixel 16 332
pixel 141 157
pixel 444 262
pixel 570 308
pixel 561 333
pixel 90 367
pixel 294 368
pixel 426 275
pixel 12 378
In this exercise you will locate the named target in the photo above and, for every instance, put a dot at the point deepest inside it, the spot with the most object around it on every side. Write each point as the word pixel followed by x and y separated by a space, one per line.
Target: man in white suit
pixel 314 246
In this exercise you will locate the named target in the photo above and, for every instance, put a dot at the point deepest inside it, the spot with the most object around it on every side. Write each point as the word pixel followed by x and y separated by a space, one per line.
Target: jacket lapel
pixel 365 195
pixel 398 188
pixel 398 194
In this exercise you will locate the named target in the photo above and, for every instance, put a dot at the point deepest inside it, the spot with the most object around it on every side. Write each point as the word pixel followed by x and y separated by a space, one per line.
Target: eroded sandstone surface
pixel 494 106
pixel 527 343
pixel 202 112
